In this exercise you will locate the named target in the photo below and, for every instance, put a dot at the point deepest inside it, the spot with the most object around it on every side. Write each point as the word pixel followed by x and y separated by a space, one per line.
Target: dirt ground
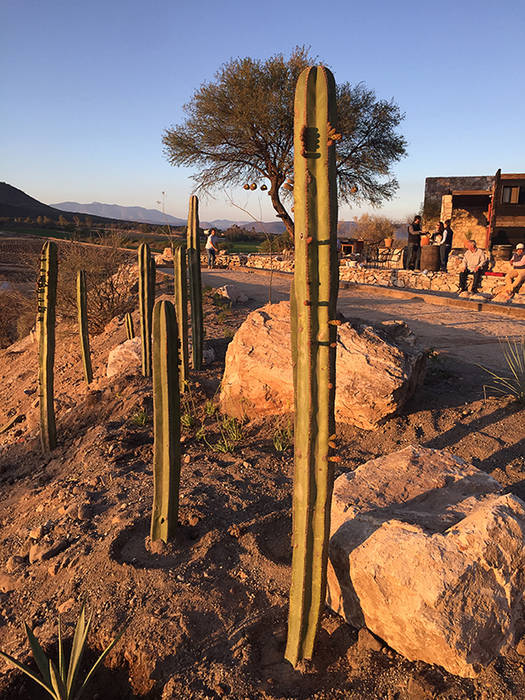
pixel 206 615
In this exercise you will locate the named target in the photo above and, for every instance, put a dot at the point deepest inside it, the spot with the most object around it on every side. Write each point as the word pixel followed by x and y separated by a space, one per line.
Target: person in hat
pixel 516 274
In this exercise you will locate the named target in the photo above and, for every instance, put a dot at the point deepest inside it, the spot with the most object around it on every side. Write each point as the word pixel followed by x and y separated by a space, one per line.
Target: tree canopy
pixel 239 130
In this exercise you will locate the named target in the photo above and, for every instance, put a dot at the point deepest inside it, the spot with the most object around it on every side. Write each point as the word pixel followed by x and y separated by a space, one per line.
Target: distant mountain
pixel 115 211
pixel 15 203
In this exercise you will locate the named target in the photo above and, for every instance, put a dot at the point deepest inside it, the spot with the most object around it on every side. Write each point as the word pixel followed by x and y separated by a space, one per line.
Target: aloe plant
pixel 46 316
pixel 61 680
pixel 314 335
pixel 83 325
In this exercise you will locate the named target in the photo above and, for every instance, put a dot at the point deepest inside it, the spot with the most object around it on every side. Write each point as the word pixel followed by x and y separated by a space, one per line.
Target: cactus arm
pixel 194 264
pixel 46 317
pixel 181 308
pixel 166 423
pixel 313 306
pixel 130 329
pixel 146 296
pixel 83 325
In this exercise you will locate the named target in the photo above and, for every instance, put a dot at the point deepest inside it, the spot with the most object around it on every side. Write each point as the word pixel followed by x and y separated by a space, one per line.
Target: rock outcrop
pixel 428 554
pixel 126 358
pixel 378 368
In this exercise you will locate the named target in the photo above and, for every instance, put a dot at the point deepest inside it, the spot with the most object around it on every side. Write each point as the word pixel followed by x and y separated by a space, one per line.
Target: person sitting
pixel 516 274
pixel 414 244
pixel 445 245
pixel 474 263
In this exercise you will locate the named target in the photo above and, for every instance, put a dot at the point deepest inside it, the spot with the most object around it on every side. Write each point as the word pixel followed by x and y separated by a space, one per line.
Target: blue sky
pixel 88 87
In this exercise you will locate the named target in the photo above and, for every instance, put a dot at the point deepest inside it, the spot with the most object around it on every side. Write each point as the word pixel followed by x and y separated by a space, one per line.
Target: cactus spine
pixel 146 301
pixel 166 423
pixel 313 308
pixel 83 325
pixel 181 308
pixel 194 263
pixel 130 328
pixel 47 294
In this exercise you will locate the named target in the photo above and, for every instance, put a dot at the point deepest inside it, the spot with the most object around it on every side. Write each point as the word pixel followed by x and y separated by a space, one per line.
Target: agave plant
pixel 61 682
pixel 513 381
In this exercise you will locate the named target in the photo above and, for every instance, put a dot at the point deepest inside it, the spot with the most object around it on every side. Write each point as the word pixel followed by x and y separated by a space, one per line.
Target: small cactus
pixel 46 316
pixel 181 309
pixel 313 309
pixel 83 325
pixel 166 423
pixel 194 264
pixel 146 301
pixel 130 328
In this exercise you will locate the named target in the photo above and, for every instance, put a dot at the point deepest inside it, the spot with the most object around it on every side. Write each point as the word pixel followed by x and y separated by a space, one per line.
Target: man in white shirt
pixel 474 263
pixel 211 248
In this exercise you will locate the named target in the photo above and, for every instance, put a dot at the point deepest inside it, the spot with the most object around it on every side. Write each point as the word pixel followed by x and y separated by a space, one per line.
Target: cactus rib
pixel 83 325
pixel 46 316
pixel 313 305
pixel 166 423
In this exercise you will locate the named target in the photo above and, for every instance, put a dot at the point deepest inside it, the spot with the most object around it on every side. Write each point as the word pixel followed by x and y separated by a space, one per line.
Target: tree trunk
pixel 279 208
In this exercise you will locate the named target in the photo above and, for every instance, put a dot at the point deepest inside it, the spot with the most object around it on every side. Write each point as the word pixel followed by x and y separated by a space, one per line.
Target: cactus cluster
pixel 83 325
pixel 314 335
pixel 181 309
pixel 194 264
pixel 146 302
pixel 46 316
pixel 166 423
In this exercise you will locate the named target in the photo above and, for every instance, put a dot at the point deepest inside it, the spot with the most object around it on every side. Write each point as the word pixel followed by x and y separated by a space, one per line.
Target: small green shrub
pixel 513 381
pixel 282 439
pixel 231 434
pixel 60 680
pixel 140 418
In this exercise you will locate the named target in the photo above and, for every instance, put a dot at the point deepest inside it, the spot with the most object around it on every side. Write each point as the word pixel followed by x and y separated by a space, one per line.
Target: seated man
pixel 474 263
pixel 516 274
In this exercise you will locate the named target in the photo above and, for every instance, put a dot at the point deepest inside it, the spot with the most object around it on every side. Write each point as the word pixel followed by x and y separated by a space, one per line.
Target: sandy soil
pixel 207 614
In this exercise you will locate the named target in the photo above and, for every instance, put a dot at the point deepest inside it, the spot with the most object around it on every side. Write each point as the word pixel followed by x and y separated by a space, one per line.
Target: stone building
pixel 488 208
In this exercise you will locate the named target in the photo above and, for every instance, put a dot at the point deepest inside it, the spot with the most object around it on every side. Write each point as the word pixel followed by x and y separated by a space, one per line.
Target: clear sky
pixel 87 88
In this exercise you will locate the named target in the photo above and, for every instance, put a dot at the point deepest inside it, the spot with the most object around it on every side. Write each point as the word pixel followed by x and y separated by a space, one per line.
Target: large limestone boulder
pixel 428 554
pixel 378 368
pixel 126 358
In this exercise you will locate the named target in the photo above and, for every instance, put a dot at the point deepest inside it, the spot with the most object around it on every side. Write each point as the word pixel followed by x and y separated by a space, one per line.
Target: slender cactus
pixel 146 301
pixel 47 294
pixel 166 423
pixel 181 308
pixel 194 264
pixel 130 328
pixel 83 325
pixel 314 336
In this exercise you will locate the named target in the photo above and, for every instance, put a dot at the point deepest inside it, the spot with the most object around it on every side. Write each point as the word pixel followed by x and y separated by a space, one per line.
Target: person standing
pixel 413 244
pixel 445 245
pixel 211 248
pixel 474 263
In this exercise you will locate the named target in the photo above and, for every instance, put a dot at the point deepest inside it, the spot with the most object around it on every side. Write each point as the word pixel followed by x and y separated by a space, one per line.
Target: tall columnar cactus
pixel 166 422
pixel 146 301
pixel 83 325
pixel 130 328
pixel 314 336
pixel 181 308
pixel 194 263
pixel 47 294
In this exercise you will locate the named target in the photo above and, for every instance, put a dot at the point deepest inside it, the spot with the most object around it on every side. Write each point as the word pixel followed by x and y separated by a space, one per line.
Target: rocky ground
pixel 206 615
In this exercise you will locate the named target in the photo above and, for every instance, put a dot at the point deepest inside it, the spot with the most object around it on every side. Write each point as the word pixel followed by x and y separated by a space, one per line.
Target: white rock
pixel 126 358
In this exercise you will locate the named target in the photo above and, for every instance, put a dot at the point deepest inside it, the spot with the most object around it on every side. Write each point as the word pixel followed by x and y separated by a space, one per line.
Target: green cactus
pixel 181 308
pixel 194 264
pixel 83 325
pixel 47 294
pixel 166 423
pixel 130 328
pixel 314 336
pixel 146 301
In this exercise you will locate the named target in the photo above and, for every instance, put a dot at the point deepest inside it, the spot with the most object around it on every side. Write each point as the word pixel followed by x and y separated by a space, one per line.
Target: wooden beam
pixel 470 193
